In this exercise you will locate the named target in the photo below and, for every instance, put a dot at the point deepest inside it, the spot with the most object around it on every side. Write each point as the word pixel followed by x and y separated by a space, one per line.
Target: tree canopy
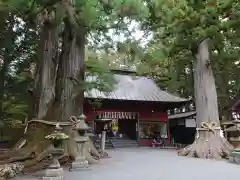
pixel 176 28
pixel 170 27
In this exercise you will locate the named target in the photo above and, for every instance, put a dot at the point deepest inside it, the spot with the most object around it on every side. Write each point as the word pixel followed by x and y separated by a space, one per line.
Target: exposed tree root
pixel 18 145
pixel 40 161
pixel 73 150
pixel 92 149
pixel 91 153
pixel 208 145
pixel 34 154
pixel 94 152
pixel 91 159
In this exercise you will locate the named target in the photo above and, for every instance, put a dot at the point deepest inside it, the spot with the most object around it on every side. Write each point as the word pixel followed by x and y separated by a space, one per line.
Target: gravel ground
pixel 154 164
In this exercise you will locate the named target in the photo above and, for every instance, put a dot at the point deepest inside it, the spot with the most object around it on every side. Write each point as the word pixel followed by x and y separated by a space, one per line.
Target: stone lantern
pixel 233 132
pixel 234 137
pixel 81 127
pixel 54 171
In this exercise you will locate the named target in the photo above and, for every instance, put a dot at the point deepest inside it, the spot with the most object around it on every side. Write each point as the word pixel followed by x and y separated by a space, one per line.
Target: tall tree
pixel 208 143
pixel 177 25
pixel 64 27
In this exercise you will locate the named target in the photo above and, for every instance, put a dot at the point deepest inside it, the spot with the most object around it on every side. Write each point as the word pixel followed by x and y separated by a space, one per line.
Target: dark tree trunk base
pixel 208 145
pixel 31 159
pixel 35 154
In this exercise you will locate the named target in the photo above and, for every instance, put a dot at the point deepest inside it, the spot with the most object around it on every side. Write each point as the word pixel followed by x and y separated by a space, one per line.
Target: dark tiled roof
pixel 182 115
pixel 135 88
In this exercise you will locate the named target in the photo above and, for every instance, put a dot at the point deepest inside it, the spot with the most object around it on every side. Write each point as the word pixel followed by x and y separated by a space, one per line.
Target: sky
pixel 137 34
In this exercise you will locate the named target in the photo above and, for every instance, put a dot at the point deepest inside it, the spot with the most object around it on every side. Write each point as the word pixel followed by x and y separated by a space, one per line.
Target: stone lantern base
pixel 79 163
pixel 53 172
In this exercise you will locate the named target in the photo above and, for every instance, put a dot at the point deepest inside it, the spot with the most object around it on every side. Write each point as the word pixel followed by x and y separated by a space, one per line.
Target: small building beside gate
pixel 137 106
pixel 182 127
pixel 231 127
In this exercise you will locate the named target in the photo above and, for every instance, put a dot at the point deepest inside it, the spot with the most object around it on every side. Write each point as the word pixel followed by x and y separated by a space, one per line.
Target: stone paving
pixel 154 164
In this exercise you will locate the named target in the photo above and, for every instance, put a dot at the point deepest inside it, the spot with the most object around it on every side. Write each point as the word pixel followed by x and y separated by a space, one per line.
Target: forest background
pixel 153 37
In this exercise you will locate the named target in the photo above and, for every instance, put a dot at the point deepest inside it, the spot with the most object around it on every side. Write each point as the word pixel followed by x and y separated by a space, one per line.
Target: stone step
pixel 108 144
pixel 117 142
pixel 98 147
pixel 124 143
pixel 126 146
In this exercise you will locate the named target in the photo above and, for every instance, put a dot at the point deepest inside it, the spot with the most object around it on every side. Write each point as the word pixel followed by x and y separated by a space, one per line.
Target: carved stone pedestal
pixel 80 161
pixel 53 174
pixel 54 171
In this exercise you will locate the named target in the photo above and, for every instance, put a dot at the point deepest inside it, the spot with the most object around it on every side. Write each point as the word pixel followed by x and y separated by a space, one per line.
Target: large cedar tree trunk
pixel 44 85
pixel 53 95
pixel 208 143
pixel 70 73
pixel 33 144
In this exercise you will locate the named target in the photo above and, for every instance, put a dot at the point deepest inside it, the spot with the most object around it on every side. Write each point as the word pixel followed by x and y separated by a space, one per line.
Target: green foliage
pixel 95 18
pixel 14 52
pixel 177 26
pixel 98 74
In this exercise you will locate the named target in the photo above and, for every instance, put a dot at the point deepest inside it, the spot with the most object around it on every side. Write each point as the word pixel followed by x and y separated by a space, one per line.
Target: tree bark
pixel 208 142
pixel 70 72
pixel 44 86
pixel 204 85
